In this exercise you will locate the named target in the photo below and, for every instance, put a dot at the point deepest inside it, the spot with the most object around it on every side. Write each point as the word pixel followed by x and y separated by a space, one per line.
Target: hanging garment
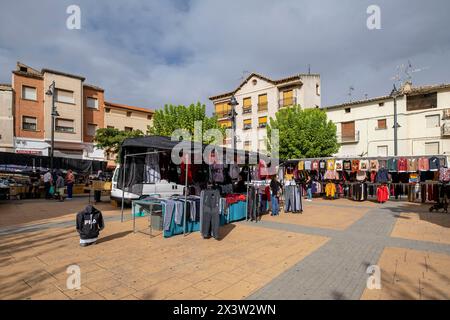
pixel 347 165
pixel 359 191
pixel 361 175
pixel 374 165
pixel 308 165
pixel 234 171
pixel 392 165
pixel 217 172
pixel 382 194
pixel 331 175
pixel 210 213
pixel 330 190
pixel 355 165
pixel 373 176
pixel 301 165
pixel 330 164
pixel 315 165
pixel 292 199
pixel 289 173
pixel 434 164
pixel 444 174
pixel 322 164
pixel 413 178
pixel 152 172
pixel 339 165
pixel 382 176
pixel 382 164
pixel 402 165
pixel 424 164
pixel 364 165
pixel 412 165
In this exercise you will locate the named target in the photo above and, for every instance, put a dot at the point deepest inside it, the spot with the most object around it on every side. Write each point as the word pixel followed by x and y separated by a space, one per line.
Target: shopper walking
pixel 59 186
pixel 309 189
pixel 275 188
pixel 70 180
pixel 48 181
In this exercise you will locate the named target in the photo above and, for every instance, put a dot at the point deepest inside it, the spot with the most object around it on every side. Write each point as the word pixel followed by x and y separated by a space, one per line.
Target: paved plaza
pixel 321 254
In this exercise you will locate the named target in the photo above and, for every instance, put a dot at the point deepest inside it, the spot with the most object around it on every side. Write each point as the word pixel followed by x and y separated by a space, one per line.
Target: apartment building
pixel 6 118
pixel 366 127
pixel 80 111
pixel 128 118
pixel 259 98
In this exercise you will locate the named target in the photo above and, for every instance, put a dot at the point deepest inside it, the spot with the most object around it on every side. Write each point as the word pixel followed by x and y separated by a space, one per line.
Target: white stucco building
pixel 365 128
pixel 259 98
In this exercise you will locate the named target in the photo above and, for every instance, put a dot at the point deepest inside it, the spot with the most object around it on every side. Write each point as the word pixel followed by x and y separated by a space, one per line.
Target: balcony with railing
pixel 445 130
pixel 262 107
pixel 446 114
pixel 348 138
pixel 288 102
pixel 246 110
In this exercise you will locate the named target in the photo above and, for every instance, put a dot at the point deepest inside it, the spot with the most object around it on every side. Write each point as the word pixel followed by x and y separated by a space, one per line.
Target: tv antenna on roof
pixel 245 73
pixel 350 90
pixel 405 73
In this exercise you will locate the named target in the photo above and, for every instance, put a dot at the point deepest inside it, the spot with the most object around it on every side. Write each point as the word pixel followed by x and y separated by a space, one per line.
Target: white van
pixel 162 189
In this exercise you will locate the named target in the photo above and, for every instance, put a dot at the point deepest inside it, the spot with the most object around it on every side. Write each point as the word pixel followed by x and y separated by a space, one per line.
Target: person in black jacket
pixel 89 224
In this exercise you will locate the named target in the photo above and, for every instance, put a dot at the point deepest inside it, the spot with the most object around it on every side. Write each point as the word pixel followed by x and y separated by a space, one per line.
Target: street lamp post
pixel 395 94
pixel 233 103
pixel 51 92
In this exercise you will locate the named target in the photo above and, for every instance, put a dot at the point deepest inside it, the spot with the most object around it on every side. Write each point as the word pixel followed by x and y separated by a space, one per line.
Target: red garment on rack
pixel 373 176
pixel 234 198
pixel 183 172
pixel 402 165
pixel 382 194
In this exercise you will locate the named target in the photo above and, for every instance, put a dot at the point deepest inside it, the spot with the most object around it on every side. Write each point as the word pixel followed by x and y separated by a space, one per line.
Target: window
pixel 64 125
pixel 29 123
pixel 92 103
pixel 262 102
pixel 222 109
pixel 247 105
pixel 262 122
pixel 348 110
pixel 23 69
pixel 421 101
pixel 110 127
pixel 288 98
pixel 64 96
pixel 348 131
pixel 262 145
pixel 254 82
pixel 29 93
pixel 128 114
pixel 382 124
pixel 226 123
pixel 381 104
pixel 107 110
pixel 91 129
pixel 128 129
pixel 317 89
pixel 432 121
pixel 247 124
pixel 431 148
pixel 149 117
pixel 382 151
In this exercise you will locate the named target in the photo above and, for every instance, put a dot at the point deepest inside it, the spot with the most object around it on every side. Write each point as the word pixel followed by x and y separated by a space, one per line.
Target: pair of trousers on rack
pixel 210 213
pixel 292 199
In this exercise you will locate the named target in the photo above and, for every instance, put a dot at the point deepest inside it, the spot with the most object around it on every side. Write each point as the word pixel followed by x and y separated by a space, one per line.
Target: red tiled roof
pixel 123 106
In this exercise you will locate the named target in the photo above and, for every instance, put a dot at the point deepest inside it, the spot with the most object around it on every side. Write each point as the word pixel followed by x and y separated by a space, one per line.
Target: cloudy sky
pixel 149 53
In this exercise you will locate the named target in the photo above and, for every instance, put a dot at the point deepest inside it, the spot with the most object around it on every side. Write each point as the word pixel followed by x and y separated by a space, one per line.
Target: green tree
pixel 304 133
pixel 110 139
pixel 171 117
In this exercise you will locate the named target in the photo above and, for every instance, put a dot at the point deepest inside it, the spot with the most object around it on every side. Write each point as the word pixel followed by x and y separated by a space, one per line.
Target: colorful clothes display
pixel 424 164
pixel 364 165
pixel 355 165
pixel 374 165
pixel 330 164
pixel 402 165
pixel 339 165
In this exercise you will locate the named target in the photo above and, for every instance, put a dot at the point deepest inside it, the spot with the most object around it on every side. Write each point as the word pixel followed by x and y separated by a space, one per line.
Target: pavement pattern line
pixel 337 270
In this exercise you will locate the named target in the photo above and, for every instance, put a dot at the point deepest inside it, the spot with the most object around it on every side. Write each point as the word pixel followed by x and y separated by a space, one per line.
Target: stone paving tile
pixel 323 253
pixel 423 226
pixel 412 274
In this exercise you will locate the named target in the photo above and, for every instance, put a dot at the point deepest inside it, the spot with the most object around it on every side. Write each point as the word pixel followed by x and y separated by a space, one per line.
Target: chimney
pixel 407 87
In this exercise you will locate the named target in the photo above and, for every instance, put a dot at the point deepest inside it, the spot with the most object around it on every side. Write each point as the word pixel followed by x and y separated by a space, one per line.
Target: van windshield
pixel 116 175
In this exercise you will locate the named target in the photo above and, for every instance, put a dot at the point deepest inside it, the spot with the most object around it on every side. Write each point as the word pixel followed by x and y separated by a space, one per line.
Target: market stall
pixel 413 179
pixel 208 176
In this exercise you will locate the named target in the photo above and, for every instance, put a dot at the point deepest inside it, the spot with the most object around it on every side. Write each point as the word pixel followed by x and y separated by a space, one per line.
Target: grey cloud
pixel 149 53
